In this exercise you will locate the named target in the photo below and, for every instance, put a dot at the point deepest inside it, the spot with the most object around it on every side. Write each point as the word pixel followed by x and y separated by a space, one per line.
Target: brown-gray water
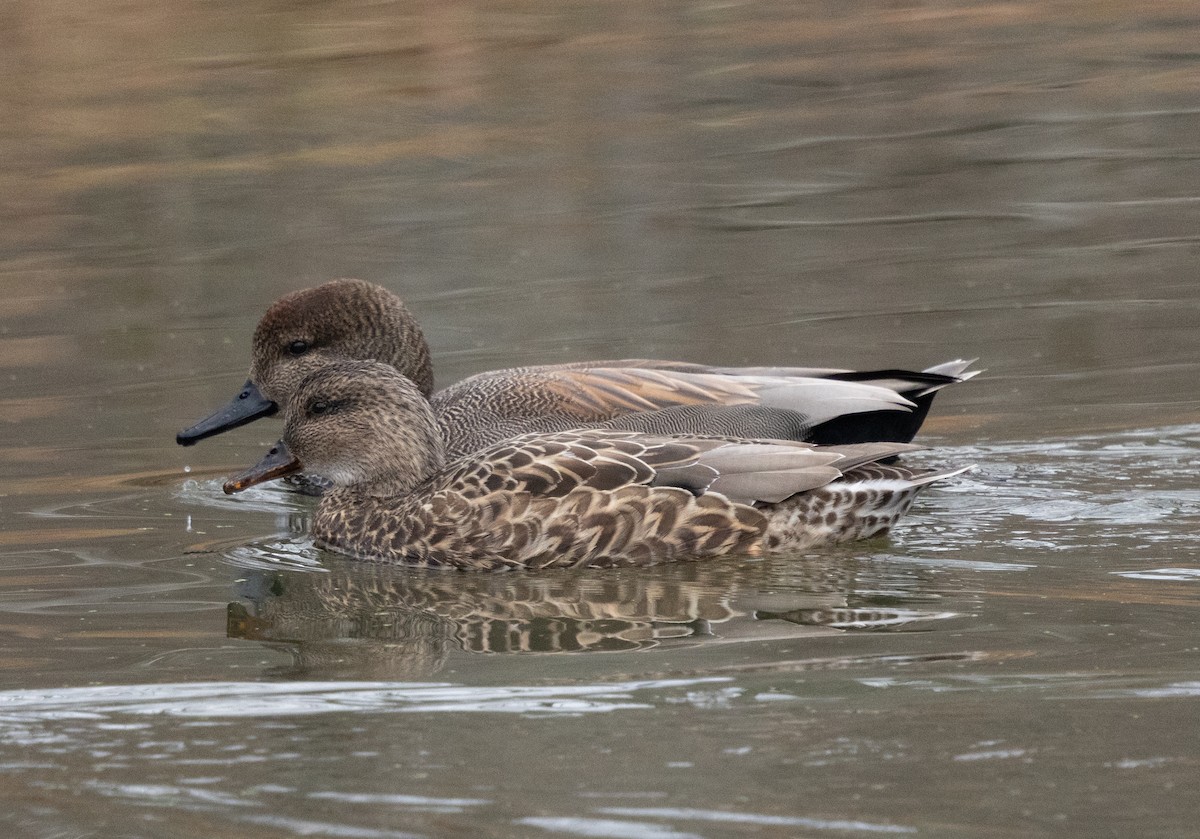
pixel 864 185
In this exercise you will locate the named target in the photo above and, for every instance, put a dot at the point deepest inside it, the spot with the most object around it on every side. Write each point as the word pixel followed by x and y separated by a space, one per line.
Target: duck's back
pixel 675 398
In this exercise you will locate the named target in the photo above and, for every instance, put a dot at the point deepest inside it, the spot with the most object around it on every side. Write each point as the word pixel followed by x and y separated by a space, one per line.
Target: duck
pixel 350 319
pixel 581 498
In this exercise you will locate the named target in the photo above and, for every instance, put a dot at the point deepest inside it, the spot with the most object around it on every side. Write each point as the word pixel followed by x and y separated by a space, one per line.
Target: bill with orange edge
pixel 276 463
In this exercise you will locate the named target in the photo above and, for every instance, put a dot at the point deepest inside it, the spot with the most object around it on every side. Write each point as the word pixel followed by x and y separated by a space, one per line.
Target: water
pixel 767 183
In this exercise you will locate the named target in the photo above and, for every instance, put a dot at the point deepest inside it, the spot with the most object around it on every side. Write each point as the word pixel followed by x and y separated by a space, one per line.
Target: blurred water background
pixel 856 184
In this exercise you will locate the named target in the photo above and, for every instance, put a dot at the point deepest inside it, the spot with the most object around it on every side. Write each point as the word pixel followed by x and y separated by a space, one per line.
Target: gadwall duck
pixel 581 498
pixel 352 319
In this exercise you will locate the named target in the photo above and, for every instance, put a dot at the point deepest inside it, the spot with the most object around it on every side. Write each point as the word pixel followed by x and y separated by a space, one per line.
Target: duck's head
pixel 303 331
pixel 354 423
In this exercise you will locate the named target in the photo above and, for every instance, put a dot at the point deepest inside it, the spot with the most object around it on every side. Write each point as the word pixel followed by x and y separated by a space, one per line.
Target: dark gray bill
pixel 275 464
pixel 246 407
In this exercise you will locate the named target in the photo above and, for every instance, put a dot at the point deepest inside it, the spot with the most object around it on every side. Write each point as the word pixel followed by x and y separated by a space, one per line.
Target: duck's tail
pixel 866 501
pixel 893 426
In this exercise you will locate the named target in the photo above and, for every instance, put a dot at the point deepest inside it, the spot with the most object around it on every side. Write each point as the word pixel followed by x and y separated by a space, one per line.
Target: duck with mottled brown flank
pixel 581 498
pixel 351 319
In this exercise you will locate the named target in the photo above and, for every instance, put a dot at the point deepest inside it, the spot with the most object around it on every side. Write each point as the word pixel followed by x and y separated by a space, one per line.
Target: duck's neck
pixel 400 469
pixel 410 352
pixel 420 366
pixel 387 486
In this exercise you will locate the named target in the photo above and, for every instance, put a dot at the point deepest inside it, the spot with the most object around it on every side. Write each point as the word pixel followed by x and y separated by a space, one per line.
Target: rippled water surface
pixel 860 185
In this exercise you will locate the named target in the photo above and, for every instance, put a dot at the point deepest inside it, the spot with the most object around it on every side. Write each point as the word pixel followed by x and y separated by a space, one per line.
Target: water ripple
pixel 604 828
pixel 1183 575
pixel 724 817
pixel 241 700
pixel 1037 498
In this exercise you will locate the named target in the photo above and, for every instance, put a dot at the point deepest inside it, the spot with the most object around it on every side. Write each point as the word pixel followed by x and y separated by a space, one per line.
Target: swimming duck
pixel 352 319
pixel 579 498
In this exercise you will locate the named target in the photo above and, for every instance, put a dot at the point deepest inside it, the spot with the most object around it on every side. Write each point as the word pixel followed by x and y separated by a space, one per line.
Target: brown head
pixel 342 319
pixel 304 330
pixel 358 424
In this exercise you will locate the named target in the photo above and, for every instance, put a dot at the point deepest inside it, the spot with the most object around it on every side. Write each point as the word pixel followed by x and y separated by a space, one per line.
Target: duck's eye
pixel 298 347
pixel 321 406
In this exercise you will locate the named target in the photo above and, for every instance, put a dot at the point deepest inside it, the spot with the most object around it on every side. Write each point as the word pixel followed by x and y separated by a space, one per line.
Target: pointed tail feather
pixel 934 477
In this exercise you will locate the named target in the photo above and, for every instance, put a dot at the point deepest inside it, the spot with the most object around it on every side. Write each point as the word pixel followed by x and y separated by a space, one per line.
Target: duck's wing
pixel 596 394
pixel 909 383
pixel 843 422
pixel 812 404
pixel 494 406
pixel 552 465
pixel 744 471
pixel 741 421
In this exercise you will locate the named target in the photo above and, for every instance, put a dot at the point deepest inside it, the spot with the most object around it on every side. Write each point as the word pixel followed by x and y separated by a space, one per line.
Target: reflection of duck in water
pixel 552 612
pixel 584 498
pixel 371 618
pixel 379 621
pixel 354 320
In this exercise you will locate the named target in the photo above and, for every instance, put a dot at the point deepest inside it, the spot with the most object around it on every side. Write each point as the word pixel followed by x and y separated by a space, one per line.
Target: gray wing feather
pixel 753 421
